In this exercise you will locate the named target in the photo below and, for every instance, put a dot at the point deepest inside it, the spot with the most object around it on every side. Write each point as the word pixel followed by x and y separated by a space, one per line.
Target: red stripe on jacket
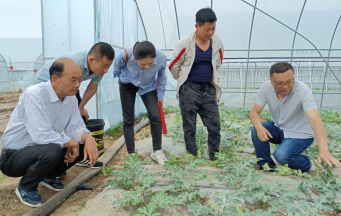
pixel 221 56
pixel 177 58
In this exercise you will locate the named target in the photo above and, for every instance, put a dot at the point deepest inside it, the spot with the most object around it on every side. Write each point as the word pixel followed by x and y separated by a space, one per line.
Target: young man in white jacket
pixel 195 62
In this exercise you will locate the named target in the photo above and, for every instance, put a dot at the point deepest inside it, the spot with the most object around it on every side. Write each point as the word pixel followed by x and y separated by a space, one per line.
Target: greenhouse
pixel 255 35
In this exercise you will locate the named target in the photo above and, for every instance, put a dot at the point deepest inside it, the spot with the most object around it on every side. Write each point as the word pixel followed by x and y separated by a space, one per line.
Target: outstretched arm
pixel 89 92
pixel 321 138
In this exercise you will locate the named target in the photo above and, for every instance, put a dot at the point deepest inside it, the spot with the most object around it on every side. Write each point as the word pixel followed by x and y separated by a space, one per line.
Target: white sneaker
pixel 159 157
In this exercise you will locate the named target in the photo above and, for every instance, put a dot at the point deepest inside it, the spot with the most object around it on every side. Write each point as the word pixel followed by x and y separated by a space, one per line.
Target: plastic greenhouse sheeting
pixel 5 85
pixel 255 33
pixel 23 56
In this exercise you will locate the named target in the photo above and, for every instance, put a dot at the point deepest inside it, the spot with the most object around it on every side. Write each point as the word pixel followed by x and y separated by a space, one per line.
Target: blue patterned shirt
pixel 144 79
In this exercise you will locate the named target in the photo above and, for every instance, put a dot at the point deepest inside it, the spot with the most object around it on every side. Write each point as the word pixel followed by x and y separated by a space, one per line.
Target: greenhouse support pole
pixel 297 71
pixel 95 41
pixel 324 85
pixel 240 76
pixel 145 32
pixel 177 21
pixel 330 47
pixel 310 78
pixel 42 28
pixel 298 23
pixel 248 52
pixel 228 74
pixel 163 29
pixel 123 24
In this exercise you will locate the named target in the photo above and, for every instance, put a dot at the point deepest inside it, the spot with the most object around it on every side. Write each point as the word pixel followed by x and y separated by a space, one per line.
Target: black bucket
pixel 96 127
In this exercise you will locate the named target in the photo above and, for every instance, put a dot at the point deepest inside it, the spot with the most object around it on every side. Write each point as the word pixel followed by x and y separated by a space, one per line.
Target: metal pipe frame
pixel 163 29
pixel 317 50
pixel 144 27
pixel 123 23
pixel 325 75
pixel 298 23
pixel 177 21
pixel 248 52
pixel 266 50
pixel 42 28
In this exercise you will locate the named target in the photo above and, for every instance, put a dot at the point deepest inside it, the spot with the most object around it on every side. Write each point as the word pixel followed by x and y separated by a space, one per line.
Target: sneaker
pixel 159 157
pixel 86 163
pixel 62 175
pixel 32 199
pixel 53 184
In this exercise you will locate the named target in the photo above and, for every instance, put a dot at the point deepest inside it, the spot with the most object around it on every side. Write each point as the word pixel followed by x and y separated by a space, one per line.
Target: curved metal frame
pixel 138 9
pixel 330 46
pixel 325 60
pixel 298 23
pixel 163 29
pixel 176 16
pixel 296 33
pixel 248 52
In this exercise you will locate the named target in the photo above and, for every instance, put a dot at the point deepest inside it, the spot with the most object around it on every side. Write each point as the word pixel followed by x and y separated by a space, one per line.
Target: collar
pixel 52 94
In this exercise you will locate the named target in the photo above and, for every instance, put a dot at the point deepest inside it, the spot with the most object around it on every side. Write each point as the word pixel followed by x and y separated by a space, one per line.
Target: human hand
pixel 84 113
pixel 161 102
pixel 328 158
pixel 90 150
pixel 263 134
pixel 71 154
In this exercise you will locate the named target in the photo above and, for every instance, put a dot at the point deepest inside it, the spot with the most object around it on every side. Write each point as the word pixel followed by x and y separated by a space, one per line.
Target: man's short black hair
pixel 205 15
pixel 281 67
pixel 56 68
pixel 101 49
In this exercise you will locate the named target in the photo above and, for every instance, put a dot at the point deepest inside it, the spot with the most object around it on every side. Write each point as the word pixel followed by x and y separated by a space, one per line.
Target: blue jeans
pixel 288 152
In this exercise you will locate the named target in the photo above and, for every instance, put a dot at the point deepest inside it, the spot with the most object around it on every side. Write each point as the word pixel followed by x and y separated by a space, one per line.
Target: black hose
pixel 56 200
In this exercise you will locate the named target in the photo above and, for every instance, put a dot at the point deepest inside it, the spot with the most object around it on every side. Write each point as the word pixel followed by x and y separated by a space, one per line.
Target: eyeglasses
pixel 280 85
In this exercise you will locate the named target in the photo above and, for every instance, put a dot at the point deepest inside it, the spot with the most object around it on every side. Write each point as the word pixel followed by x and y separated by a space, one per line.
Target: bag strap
pixel 127 57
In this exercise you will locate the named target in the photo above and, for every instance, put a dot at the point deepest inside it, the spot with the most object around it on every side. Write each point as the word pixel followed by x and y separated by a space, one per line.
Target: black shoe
pixel 53 184
pixel 307 170
pixel 272 166
pixel 86 163
pixel 62 175
pixel 213 158
pixel 194 154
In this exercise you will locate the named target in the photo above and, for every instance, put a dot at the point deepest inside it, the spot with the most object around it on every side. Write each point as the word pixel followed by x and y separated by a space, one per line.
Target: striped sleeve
pixel 177 59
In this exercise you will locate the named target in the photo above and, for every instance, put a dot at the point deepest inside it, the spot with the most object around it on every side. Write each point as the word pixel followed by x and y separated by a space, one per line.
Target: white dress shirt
pixel 40 117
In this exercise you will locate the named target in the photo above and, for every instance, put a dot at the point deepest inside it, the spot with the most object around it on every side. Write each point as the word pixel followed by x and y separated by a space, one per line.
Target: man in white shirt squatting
pixel 33 145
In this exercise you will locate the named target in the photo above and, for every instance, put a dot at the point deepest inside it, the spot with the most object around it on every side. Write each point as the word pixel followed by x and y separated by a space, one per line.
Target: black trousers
pixel 150 100
pixel 34 163
pixel 200 99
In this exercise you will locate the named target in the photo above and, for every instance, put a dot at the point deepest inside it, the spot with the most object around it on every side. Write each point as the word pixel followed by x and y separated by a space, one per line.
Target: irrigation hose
pixel 56 200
